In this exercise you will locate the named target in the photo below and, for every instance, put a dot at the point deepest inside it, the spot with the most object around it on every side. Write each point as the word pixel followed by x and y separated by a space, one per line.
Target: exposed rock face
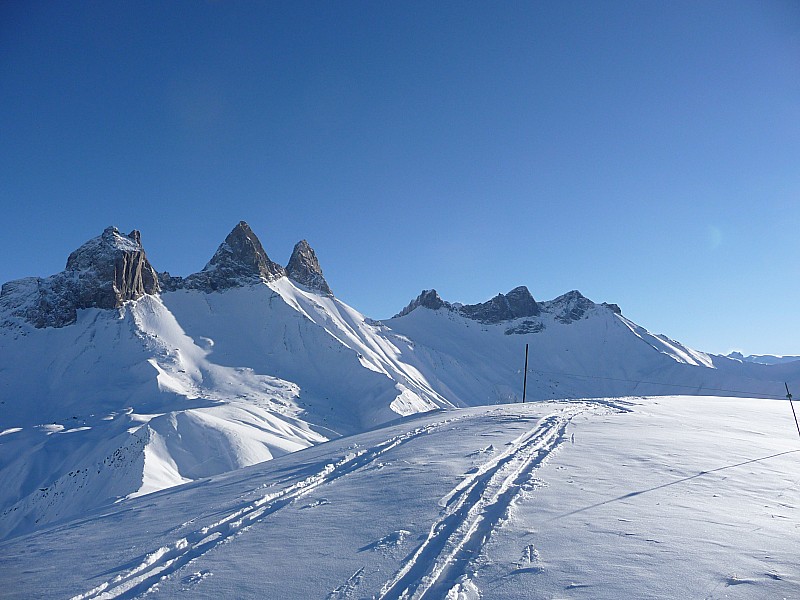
pixel 304 268
pixel 570 307
pixel 103 273
pixel 427 299
pixel 526 326
pixel 514 305
pixel 239 261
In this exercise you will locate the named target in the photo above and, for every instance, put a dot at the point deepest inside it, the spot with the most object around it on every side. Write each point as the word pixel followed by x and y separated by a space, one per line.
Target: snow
pixel 187 385
pixel 602 353
pixel 668 497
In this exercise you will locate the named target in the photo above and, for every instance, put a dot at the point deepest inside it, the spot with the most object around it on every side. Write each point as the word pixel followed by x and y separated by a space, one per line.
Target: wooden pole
pixel 525 377
pixel 789 396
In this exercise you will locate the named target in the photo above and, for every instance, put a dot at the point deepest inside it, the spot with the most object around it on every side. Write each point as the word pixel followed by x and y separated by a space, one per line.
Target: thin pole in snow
pixel 789 396
pixel 525 377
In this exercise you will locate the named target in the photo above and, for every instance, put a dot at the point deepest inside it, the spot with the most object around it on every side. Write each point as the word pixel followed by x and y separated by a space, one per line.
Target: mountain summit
pixel 515 304
pixel 246 361
pixel 239 261
pixel 427 299
pixel 104 272
pixel 304 268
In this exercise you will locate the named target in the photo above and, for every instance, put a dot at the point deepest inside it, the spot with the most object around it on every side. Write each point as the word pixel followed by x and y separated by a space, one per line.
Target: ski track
pixel 472 510
pixel 168 559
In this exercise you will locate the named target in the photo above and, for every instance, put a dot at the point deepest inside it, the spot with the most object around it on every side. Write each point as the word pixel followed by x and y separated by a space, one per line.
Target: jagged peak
pixel 515 304
pixel 104 272
pixel 239 261
pixel 99 249
pixel 427 299
pixel 303 268
pixel 518 303
pixel 242 246
pixel 573 306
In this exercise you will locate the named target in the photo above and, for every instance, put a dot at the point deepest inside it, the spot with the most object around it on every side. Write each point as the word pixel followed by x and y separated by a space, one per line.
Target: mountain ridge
pixel 148 390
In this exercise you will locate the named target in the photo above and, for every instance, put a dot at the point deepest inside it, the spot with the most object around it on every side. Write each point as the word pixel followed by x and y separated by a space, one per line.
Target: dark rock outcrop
pixel 570 307
pixel 239 261
pixel 105 272
pixel 515 304
pixel 304 268
pixel 427 299
pixel 526 326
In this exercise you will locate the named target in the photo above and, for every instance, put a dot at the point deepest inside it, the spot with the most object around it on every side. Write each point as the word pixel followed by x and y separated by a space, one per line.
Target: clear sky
pixel 645 153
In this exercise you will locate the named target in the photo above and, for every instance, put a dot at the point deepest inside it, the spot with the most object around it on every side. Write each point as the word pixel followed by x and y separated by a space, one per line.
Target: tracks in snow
pixel 168 559
pixel 473 509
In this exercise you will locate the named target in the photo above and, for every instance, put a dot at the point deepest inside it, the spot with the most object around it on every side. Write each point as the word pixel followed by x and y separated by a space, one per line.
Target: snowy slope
pixel 572 354
pixel 176 388
pixel 125 404
pixel 111 390
pixel 672 497
pixel 115 384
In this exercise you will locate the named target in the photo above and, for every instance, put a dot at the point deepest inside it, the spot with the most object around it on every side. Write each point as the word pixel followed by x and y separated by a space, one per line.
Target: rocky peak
pixel 515 304
pixel 304 268
pixel 521 302
pixel 96 252
pixel 239 261
pixel 570 307
pixel 427 299
pixel 104 272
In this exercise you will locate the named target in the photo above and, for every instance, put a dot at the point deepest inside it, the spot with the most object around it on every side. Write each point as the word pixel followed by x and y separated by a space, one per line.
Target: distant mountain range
pixel 117 380
pixel 763 359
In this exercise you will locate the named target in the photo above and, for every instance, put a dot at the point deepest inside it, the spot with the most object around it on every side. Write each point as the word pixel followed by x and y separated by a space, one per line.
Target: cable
pixel 676 385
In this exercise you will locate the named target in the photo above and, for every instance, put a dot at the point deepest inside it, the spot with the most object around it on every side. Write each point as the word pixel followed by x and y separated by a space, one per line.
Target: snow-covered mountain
pixel 577 348
pixel 113 389
pixel 117 381
pixel 763 359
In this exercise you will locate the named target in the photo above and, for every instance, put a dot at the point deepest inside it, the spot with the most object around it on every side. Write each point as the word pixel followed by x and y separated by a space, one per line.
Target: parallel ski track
pixel 473 509
pixel 168 559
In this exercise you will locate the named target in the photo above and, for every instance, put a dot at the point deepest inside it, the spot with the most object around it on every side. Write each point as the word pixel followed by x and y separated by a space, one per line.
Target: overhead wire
pixel 700 387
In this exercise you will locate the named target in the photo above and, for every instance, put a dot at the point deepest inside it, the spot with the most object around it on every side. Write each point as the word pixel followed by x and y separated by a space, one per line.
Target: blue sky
pixel 645 153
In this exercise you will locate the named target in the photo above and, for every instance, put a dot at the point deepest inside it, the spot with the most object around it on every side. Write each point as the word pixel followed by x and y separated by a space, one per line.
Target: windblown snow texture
pixel 674 497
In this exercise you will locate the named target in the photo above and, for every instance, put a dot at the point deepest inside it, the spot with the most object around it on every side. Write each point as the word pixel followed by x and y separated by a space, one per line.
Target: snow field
pixel 672 497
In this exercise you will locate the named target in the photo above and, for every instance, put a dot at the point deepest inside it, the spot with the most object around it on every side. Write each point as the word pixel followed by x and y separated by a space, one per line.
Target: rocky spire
pixel 239 261
pixel 104 272
pixel 304 268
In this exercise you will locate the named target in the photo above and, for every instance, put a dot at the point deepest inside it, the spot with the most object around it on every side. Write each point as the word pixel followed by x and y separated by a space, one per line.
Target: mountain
pixel 578 349
pixel 131 393
pixel 105 272
pixel 238 262
pixel 763 359
pixel 117 380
